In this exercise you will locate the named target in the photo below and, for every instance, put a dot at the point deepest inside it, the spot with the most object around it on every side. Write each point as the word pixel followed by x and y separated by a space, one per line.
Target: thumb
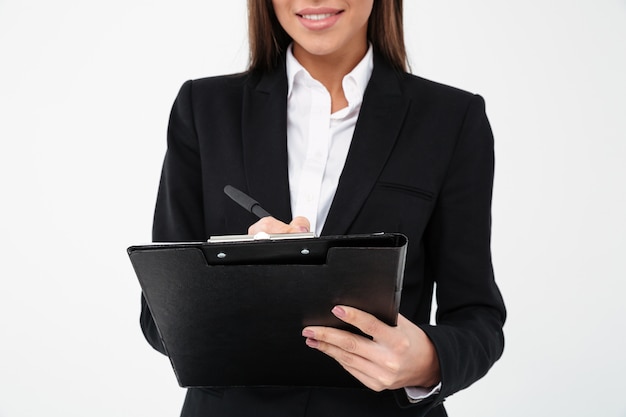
pixel 300 225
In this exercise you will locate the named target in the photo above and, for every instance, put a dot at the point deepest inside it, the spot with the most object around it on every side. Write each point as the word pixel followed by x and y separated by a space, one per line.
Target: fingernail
pixel 303 229
pixel 308 333
pixel 339 312
pixel 312 343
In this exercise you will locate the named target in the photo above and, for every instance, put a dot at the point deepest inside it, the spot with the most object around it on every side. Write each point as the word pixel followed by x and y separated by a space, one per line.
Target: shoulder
pixel 448 105
pixel 215 94
pixel 231 87
pixel 209 86
pixel 436 94
pixel 222 81
pixel 423 94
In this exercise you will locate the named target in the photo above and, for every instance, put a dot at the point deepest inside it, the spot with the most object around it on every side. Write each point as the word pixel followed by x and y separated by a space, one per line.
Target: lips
pixel 318 18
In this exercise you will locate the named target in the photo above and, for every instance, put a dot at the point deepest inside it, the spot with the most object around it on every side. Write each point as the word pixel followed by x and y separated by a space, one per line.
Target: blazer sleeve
pixel 470 315
pixel 178 214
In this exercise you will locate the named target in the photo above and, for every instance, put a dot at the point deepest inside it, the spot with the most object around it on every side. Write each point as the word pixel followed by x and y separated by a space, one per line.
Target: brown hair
pixel 268 40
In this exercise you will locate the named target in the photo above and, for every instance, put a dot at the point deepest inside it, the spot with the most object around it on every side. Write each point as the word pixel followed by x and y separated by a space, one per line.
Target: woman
pixel 327 128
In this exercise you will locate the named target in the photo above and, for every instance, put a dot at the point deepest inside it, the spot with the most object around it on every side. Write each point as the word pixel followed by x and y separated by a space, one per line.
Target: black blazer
pixel 420 163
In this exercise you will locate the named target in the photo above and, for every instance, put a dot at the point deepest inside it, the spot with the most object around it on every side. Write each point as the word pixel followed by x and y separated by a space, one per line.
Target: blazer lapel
pixel 264 136
pixel 379 124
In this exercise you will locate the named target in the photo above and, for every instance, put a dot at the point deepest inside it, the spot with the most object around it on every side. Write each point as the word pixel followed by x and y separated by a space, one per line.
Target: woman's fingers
pixel 272 225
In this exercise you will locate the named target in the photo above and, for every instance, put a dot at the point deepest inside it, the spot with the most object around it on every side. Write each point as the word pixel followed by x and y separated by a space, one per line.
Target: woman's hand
pixel 271 225
pixel 401 356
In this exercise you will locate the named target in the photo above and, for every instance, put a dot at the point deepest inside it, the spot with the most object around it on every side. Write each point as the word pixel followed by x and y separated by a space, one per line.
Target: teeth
pixel 317 16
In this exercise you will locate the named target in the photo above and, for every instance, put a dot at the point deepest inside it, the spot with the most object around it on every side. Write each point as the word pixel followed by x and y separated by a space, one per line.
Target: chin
pixel 323 48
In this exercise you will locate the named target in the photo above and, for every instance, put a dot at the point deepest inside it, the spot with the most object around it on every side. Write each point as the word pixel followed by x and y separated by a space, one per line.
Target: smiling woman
pixel 330 133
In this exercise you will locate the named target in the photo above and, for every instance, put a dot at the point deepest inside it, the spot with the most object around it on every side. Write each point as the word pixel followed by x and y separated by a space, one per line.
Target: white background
pixel 85 93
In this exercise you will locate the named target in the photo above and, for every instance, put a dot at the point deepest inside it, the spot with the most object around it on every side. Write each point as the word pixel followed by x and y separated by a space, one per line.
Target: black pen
pixel 246 201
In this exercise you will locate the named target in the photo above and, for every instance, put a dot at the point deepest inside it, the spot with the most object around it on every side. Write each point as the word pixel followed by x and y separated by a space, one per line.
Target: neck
pixel 330 70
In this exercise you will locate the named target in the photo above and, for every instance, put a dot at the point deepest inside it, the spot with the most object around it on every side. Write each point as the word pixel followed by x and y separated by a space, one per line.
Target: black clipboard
pixel 232 313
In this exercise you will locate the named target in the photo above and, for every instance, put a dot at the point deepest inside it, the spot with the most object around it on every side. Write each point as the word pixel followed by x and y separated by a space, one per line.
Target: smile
pixel 317 16
pixel 319 19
